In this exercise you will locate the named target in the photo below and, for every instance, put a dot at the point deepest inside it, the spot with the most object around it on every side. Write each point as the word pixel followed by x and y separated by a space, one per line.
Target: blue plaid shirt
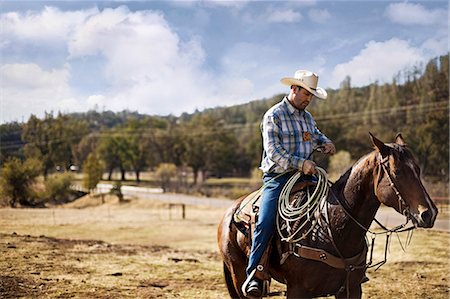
pixel 289 136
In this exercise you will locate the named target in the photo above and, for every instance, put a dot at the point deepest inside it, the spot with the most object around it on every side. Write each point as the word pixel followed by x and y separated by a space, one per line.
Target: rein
pixel 356 262
pixel 402 205
pixel 383 167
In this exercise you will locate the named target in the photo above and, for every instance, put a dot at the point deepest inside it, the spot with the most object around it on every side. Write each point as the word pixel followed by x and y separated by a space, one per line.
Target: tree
pixel 17 180
pixel 92 171
pixel 221 152
pixel 138 152
pixel 87 145
pixel 165 172
pixel 112 149
pixel 196 147
pixel 10 141
pixel 51 140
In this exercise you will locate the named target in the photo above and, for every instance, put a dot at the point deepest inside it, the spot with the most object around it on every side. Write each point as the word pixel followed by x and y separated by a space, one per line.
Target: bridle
pixel 383 169
pixel 383 164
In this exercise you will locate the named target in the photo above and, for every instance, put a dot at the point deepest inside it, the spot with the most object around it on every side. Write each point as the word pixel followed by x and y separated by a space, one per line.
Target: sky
pixel 171 57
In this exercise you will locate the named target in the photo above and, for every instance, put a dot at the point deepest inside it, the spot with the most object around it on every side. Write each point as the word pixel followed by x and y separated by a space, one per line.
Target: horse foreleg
pixel 296 292
pixel 354 293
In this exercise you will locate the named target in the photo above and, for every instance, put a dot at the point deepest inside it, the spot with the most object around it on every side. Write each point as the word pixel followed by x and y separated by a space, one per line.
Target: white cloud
pixel 148 67
pixel 225 3
pixel 96 101
pixel 436 46
pixel 415 14
pixel 283 16
pixel 118 58
pixel 50 25
pixel 27 88
pixel 319 15
pixel 137 46
pixel 229 4
pixel 31 76
pixel 378 61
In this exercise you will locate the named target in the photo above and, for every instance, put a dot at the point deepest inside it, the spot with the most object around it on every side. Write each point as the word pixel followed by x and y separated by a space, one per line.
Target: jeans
pixel 265 226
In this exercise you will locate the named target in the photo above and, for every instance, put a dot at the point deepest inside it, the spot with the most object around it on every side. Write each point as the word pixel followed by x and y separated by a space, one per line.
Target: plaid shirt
pixel 289 136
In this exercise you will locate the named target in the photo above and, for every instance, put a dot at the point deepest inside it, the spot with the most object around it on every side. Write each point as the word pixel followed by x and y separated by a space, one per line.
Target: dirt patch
pixel 16 286
pixel 60 268
pixel 140 250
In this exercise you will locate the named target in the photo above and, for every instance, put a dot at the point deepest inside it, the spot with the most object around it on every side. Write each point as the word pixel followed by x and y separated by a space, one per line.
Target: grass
pixel 139 249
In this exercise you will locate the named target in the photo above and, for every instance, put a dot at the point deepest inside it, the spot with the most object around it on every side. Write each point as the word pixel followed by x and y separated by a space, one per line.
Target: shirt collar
pixel 289 106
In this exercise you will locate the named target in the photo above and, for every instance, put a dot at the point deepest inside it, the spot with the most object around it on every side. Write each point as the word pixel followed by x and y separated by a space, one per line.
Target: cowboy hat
pixel 307 80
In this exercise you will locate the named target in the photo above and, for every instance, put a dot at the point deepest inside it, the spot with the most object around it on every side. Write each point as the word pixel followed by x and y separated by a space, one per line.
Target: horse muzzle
pixel 425 217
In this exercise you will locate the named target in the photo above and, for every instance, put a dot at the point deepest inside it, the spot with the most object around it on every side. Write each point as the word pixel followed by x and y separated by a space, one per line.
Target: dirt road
pixel 387 216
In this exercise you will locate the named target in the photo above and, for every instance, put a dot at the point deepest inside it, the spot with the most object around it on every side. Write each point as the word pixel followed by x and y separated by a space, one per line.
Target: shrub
pixel 117 191
pixel 165 172
pixel 57 187
pixel 17 180
pixel 92 171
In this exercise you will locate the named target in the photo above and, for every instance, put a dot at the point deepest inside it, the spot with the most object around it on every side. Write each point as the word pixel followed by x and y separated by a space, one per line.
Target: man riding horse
pixel 289 135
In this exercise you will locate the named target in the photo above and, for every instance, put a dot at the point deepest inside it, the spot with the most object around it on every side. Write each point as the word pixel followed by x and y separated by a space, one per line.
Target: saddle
pixel 246 216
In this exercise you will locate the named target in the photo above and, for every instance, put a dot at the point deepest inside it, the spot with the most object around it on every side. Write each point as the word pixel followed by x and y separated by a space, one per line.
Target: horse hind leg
pixel 230 283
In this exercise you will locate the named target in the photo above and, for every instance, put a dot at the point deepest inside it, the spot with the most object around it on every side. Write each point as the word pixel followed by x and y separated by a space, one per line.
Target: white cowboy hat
pixel 307 80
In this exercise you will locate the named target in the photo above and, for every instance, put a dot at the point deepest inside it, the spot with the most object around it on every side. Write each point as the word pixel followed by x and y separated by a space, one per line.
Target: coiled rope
pixel 290 213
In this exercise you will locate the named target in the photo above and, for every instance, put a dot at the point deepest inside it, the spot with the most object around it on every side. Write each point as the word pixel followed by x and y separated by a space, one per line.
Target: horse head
pixel 398 184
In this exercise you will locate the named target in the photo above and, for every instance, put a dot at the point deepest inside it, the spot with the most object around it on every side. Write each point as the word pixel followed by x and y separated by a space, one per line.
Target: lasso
pixel 301 207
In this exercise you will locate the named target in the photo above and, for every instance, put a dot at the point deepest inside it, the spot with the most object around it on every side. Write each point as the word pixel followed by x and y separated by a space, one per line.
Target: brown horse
pixel 389 175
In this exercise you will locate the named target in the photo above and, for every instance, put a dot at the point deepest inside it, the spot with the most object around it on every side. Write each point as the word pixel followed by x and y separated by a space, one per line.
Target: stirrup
pixel 247 281
pixel 265 285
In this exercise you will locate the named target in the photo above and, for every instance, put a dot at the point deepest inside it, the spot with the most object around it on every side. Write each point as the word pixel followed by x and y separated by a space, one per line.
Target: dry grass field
pixel 141 249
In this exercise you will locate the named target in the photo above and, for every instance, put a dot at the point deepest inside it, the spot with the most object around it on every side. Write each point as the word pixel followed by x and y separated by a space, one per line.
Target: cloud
pixel 96 101
pixel 50 25
pixel 229 4
pixel 435 46
pixel 415 14
pixel 147 65
pixel 27 88
pixel 378 61
pixel 283 16
pixel 319 15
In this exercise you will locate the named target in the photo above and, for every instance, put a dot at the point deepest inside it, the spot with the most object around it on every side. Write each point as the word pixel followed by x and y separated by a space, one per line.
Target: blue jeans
pixel 265 226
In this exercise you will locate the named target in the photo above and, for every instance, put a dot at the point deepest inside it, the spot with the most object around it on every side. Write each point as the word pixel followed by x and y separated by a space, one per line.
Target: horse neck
pixel 356 192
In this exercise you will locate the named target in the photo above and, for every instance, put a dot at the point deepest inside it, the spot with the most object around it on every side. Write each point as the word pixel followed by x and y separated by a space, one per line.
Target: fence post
pixel 183 209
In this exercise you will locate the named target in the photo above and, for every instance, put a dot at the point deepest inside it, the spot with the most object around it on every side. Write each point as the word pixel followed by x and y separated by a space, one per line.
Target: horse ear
pixel 379 145
pixel 399 139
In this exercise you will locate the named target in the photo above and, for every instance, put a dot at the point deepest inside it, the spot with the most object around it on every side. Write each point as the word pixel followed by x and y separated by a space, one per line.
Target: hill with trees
pixel 226 141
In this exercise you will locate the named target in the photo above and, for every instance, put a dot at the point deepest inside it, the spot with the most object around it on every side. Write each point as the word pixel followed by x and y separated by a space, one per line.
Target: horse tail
pixel 229 282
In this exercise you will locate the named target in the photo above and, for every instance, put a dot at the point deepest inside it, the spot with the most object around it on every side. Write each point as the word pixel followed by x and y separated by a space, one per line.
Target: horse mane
pixel 367 162
pixel 339 184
